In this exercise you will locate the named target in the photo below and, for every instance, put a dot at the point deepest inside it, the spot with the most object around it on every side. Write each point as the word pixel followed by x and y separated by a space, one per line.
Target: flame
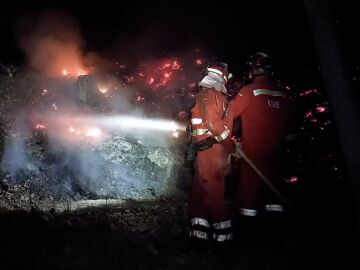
pixel 102 89
pixel 74 72
pixel 82 73
pixel 93 132
pixel 176 134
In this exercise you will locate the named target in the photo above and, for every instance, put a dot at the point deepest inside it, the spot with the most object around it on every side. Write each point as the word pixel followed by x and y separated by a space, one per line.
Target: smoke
pixel 54 46
pixel 108 130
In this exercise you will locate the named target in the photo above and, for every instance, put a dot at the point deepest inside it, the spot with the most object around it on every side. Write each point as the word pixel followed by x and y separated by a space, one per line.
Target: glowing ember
pixel 40 126
pixel 54 106
pixel 309 92
pixel 167 75
pixel 151 80
pixel 65 72
pixel 140 98
pixel 308 114
pixel 293 180
pixel 166 65
pixel 321 109
pixel 141 74
pixel 199 62
pixel 102 89
pixel 129 78
pixel 176 65
pixel 44 92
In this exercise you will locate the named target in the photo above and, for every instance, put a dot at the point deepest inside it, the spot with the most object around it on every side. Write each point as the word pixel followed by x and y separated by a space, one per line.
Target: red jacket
pixel 212 116
pixel 264 113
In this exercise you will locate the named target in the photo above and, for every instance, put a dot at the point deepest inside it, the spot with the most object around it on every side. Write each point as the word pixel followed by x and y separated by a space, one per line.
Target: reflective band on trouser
pixel 258 92
pixel 199 221
pixel 223 135
pixel 223 237
pixel 201 131
pixel 199 234
pixel 222 225
pixel 274 207
pixel 196 121
pixel 248 212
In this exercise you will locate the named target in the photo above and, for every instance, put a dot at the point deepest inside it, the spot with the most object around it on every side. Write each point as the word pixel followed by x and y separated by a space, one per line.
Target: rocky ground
pixel 146 228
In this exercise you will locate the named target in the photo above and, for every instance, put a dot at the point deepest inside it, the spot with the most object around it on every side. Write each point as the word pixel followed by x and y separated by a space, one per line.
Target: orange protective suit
pixel 211 118
pixel 264 114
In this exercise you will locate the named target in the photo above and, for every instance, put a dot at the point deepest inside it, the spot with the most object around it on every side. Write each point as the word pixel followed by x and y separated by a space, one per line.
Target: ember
pixel 102 89
pixel 321 109
pixel 199 62
pixel 40 126
pixel 309 92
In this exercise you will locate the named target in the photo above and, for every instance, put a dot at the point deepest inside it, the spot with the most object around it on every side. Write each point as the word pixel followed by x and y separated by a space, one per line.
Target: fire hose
pixel 264 178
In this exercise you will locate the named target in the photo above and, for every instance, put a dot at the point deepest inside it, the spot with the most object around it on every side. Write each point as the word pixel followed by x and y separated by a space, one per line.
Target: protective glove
pixel 238 150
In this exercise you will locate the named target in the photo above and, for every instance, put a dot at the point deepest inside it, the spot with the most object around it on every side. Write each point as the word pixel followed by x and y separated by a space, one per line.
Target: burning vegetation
pixel 80 131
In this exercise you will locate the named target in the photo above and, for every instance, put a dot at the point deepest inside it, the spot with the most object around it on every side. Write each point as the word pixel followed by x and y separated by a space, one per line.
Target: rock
pixel 7 70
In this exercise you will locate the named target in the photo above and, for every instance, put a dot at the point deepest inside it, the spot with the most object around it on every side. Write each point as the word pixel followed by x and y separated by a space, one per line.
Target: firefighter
pixel 264 112
pixel 211 125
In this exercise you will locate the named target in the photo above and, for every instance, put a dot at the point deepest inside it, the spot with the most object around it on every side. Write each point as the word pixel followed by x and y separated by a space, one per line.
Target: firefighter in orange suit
pixel 264 113
pixel 211 122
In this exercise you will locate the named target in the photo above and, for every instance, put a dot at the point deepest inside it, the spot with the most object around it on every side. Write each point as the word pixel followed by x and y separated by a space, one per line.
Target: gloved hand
pixel 238 150
pixel 236 154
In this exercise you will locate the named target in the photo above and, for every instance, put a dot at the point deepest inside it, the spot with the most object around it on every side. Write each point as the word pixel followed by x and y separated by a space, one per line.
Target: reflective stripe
pixel 223 135
pixel 274 207
pixel 215 71
pixel 223 237
pixel 222 225
pixel 199 234
pixel 218 72
pixel 248 212
pixel 200 221
pixel 196 121
pixel 258 92
pixel 201 131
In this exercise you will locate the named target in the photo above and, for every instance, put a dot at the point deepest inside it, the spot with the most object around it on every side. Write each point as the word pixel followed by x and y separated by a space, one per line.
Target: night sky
pixel 219 27
pixel 229 31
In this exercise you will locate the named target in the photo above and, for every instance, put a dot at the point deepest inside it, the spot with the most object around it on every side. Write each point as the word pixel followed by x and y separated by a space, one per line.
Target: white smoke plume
pixel 54 46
